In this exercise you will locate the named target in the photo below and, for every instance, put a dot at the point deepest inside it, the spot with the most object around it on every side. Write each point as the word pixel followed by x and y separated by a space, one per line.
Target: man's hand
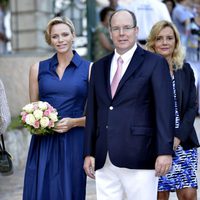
pixel 163 164
pixel 89 166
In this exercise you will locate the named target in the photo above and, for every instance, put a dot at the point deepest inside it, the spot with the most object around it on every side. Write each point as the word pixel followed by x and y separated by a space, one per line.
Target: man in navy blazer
pixel 129 135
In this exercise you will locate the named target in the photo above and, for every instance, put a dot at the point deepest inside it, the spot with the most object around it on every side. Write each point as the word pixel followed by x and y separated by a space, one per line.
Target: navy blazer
pixel 136 125
pixel 187 106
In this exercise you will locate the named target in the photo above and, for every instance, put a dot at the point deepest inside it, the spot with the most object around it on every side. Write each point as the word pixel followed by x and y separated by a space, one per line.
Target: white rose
pixel 30 119
pixel 53 117
pixel 38 114
pixel 44 122
pixel 42 105
pixel 28 108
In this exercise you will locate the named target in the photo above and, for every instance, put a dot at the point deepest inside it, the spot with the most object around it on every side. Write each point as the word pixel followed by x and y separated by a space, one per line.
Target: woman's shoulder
pixel 46 64
pixel 100 28
pixel 80 60
pixel 187 67
pixel 48 60
pixel 186 71
pixel 34 67
pixel 40 66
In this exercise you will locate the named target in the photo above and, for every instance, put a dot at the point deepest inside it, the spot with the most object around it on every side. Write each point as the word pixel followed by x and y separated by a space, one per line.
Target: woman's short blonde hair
pixel 57 20
pixel 178 54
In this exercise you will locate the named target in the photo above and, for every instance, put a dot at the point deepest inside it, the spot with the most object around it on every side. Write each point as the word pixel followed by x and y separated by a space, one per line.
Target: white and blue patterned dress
pixel 184 164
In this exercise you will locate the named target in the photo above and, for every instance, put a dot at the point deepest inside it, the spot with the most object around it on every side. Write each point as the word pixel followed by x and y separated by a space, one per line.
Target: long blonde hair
pixel 178 54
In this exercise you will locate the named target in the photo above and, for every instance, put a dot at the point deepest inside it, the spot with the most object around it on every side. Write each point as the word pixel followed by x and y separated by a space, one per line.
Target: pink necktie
pixel 117 76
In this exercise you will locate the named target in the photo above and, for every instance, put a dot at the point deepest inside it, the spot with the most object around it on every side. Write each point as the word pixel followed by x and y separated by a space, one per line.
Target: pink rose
pixel 50 108
pixel 24 117
pixel 35 106
pixel 47 112
pixel 36 124
pixel 23 113
pixel 51 124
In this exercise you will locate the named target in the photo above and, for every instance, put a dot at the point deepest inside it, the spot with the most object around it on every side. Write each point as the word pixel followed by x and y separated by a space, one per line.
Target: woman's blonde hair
pixel 58 20
pixel 178 54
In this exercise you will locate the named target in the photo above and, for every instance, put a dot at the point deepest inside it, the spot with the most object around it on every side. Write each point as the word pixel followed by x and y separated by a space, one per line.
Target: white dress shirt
pixel 126 57
pixel 148 12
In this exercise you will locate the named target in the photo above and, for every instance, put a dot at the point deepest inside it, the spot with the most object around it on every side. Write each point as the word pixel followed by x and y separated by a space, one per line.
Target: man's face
pixel 123 31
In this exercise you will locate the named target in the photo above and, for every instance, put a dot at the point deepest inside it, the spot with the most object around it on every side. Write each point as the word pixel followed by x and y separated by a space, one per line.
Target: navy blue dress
pixel 54 168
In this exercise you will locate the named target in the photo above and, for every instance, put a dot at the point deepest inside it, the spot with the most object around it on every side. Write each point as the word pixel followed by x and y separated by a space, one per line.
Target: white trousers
pixel 114 183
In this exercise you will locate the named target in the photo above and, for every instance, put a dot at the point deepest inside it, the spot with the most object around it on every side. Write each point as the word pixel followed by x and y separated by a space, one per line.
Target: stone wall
pixel 14 72
pixel 28 22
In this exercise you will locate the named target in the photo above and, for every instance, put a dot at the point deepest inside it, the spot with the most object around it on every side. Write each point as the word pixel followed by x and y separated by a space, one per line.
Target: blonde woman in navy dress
pixel 164 39
pixel 54 168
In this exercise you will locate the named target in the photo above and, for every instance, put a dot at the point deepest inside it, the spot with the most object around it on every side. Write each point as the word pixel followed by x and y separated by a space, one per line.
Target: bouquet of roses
pixel 39 117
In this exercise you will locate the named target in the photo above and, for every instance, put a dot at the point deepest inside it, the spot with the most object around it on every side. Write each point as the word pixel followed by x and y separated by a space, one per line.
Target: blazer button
pixel 106 126
pixel 111 108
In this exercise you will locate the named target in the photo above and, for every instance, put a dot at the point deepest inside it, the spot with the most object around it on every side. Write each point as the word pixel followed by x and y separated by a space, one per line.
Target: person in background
pixel 129 132
pixel 102 42
pixel 114 4
pixel 181 15
pixel 193 45
pixel 54 168
pixel 148 12
pixel 193 48
pixel 170 5
pixel 164 39
pixel 5 116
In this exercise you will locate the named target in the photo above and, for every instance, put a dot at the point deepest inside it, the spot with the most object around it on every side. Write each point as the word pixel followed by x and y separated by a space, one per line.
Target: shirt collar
pixel 126 57
pixel 76 60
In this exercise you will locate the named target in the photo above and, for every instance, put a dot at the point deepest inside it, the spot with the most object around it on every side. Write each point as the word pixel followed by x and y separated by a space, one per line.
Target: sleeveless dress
pixel 54 168
pixel 184 164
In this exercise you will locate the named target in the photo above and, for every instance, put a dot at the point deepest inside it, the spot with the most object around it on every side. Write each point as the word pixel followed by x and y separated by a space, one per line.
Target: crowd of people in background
pixel 185 14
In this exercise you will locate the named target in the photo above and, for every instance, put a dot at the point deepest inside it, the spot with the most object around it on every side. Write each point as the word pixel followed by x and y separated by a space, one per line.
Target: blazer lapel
pixel 135 62
pixel 178 86
pixel 107 67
